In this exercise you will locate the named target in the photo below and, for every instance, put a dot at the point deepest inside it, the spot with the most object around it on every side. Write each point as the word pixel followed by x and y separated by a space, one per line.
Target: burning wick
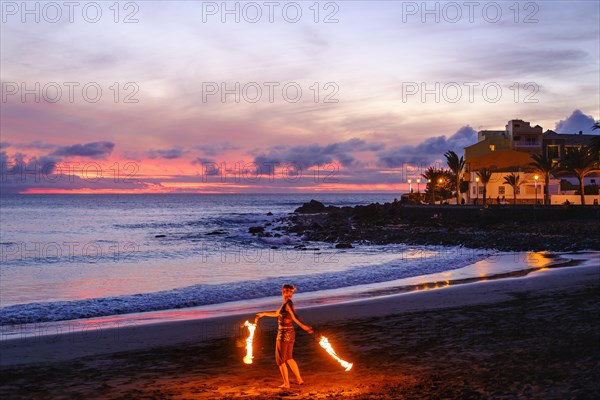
pixel 251 329
pixel 325 344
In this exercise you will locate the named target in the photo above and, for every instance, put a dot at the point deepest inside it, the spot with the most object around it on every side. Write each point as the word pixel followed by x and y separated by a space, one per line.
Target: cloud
pixel 4 163
pixel 22 167
pixel 169 154
pixel 209 166
pixel 203 160
pixel 315 154
pixel 576 122
pixel 213 150
pixel 482 67
pixel 36 144
pixel 92 150
pixel 21 174
pixel 429 150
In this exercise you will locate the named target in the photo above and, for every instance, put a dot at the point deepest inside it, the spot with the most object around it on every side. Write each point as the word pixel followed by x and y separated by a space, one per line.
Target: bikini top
pixel 284 319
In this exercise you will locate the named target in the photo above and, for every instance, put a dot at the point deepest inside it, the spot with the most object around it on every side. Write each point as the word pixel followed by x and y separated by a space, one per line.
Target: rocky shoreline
pixel 500 227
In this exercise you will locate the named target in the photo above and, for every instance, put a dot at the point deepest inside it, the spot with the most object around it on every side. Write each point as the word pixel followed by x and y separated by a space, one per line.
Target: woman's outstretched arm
pixel 297 320
pixel 267 314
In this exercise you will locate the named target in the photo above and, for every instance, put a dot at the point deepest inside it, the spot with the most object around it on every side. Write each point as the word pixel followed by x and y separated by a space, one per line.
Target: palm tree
pixel 513 180
pixel 484 174
pixel 456 165
pixel 438 184
pixel 580 161
pixel 546 166
pixel 431 176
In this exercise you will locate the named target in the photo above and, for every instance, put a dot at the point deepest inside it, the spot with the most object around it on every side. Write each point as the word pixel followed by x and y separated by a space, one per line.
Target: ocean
pixel 76 257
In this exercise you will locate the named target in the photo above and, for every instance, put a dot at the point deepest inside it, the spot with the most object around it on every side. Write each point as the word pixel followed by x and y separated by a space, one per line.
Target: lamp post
pixel 409 186
pixel 432 191
pixel 476 189
pixel 535 186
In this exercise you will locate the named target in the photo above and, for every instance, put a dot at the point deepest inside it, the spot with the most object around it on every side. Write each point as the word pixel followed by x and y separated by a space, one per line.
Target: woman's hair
pixel 290 287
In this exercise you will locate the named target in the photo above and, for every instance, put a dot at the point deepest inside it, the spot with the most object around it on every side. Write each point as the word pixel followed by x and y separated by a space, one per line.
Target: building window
pixel 480 189
pixel 492 147
pixel 474 190
pixel 553 151
pixel 531 140
pixel 571 148
pixel 501 190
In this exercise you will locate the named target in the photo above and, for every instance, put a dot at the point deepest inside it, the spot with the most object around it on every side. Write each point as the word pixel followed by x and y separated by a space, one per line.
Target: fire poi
pixel 286 335
pixel 327 346
pixel 324 343
pixel 251 328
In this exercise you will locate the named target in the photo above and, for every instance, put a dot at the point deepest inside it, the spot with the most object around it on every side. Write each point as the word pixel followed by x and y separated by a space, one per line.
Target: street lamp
pixel 477 189
pixel 432 191
pixel 409 185
pixel 535 186
pixel 418 185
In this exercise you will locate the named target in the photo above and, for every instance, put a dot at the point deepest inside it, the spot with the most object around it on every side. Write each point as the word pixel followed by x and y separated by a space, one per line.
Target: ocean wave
pixel 198 295
pixel 149 225
pixel 283 240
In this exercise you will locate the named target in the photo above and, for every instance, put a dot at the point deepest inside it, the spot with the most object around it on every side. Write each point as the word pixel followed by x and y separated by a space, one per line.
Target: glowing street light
pixel 409 185
pixel 418 185
pixel 440 181
pixel 477 188
pixel 535 186
pixel 432 192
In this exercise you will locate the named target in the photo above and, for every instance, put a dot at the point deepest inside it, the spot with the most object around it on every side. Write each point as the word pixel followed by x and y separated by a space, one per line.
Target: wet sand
pixel 534 337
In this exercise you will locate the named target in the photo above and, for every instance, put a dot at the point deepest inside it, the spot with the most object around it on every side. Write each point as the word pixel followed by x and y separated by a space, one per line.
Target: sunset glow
pixel 182 97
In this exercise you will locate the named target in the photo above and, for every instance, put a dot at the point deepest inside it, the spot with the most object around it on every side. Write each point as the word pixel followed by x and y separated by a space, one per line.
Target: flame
pixel 325 344
pixel 251 329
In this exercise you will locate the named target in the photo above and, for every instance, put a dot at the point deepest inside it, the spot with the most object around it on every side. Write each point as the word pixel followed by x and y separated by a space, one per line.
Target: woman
pixel 284 345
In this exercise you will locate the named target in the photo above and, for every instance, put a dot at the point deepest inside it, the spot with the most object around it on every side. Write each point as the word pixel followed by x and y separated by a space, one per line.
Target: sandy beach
pixel 531 337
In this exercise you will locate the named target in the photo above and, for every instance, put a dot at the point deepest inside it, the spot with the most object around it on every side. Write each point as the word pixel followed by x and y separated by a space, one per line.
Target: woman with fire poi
pixel 286 335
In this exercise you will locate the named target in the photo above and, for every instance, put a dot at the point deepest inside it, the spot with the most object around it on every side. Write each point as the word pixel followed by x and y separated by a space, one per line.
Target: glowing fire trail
pixel 325 344
pixel 251 329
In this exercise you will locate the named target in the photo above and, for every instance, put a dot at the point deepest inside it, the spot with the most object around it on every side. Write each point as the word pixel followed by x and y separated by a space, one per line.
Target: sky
pixel 268 97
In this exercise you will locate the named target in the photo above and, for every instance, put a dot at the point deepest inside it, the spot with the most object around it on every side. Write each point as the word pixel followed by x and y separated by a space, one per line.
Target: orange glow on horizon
pixel 149 176
pixel 217 188
pixel 90 191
